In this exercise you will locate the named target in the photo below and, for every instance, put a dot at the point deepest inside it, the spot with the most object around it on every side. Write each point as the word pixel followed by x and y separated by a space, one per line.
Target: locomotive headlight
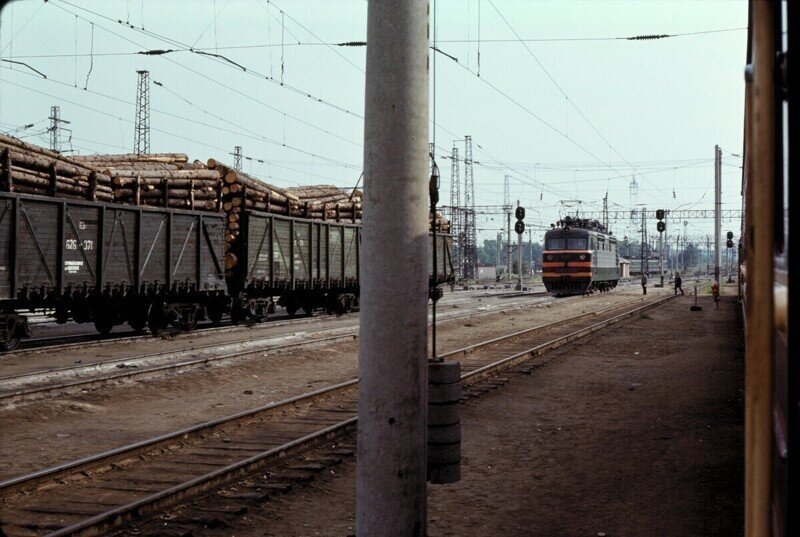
pixel 582 257
pixel 550 257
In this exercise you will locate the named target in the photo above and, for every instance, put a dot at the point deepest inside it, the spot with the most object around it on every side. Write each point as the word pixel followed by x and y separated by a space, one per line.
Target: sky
pixel 549 93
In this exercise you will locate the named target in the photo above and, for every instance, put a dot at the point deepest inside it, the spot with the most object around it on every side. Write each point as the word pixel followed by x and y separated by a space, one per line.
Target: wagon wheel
pixel 9 344
pixel 155 320
pixel 138 323
pixel 308 308
pixel 188 322
pixel 103 323
pixel 291 307
pixel 214 314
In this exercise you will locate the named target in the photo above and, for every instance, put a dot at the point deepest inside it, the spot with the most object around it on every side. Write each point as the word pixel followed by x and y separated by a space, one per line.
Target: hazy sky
pixel 574 115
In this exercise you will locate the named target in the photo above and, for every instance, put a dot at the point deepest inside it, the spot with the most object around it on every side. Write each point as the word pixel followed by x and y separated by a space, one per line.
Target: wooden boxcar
pixel 302 264
pixel 107 264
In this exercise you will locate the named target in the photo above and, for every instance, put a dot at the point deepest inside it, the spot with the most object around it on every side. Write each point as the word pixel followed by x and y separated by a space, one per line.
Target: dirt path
pixel 636 432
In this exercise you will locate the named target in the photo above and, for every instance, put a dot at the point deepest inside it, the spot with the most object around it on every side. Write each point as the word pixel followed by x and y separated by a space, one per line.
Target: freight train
pixel 153 267
pixel 580 256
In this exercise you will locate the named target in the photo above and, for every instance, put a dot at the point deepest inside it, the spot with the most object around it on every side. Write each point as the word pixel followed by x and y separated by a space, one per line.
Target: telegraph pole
pixel 392 408
pixel 717 208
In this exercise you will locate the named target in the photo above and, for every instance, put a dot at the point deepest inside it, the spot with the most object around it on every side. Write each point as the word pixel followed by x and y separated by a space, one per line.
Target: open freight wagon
pixel 107 264
pixel 302 264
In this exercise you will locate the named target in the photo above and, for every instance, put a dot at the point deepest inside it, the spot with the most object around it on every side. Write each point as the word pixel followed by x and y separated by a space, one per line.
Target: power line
pixel 217 82
pixel 102 112
pixel 214 57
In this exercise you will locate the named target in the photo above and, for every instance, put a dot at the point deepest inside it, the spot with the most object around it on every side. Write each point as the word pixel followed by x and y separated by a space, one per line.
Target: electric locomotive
pixel 580 256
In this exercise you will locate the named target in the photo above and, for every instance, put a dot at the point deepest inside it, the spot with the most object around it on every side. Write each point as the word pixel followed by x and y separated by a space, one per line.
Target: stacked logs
pixel 31 169
pixel 160 180
pixel 239 191
pixel 328 202
pixel 442 223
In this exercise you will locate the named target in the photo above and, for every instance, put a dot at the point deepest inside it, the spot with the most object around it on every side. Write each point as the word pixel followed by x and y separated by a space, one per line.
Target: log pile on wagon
pixel 30 169
pixel 160 180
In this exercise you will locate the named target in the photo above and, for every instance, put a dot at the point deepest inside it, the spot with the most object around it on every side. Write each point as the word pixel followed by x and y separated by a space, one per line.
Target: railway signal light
pixel 729 243
pixel 520 213
pixel 660 214
pixel 519 227
pixel 730 235
pixel 661 226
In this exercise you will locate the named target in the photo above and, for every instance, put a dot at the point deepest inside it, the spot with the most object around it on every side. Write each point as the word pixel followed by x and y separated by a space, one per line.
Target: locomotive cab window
pixel 555 244
pixel 576 244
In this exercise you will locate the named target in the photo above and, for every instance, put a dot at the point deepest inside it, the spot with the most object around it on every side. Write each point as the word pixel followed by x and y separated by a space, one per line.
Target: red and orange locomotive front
pixel 579 256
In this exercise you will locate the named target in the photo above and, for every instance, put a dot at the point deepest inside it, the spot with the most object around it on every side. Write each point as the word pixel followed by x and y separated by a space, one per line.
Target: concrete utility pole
pixel 507 208
pixel 530 251
pixel 508 245
pixel 519 258
pixel 717 208
pixel 497 254
pixel 392 406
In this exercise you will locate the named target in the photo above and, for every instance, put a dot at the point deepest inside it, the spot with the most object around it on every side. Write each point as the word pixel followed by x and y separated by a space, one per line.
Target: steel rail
pixel 34 346
pixel 35 393
pixel 160 500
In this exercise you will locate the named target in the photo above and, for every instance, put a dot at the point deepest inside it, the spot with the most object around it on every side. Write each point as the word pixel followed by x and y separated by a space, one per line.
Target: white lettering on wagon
pixel 72 267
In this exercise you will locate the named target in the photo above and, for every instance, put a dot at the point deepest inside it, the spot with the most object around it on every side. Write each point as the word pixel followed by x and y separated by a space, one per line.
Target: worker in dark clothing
pixel 678 283
pixel 644 283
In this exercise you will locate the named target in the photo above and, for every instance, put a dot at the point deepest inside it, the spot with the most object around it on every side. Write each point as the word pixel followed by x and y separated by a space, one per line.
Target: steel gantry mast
pixel 470 231
pixel 141 140
pixel 456 214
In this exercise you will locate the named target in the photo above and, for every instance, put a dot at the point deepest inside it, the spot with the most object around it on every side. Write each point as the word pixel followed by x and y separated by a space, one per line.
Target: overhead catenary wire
pixel 250 134
pixel 227 62
pixel 221 84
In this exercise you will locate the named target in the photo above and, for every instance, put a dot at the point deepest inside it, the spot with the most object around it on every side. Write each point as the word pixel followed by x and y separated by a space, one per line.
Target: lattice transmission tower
pixel 471 230
pixel 141 139
pixel 634 201
pixel 456 214
pixel 237 158
pixel 55 128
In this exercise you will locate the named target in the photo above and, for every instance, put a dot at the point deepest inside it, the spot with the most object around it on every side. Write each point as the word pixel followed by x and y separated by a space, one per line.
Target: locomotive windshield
pixel 555 244
pixel 576 244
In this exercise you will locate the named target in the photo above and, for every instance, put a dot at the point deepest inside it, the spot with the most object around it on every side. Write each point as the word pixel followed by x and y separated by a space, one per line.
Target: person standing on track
pixel 644 283
pixel 678 283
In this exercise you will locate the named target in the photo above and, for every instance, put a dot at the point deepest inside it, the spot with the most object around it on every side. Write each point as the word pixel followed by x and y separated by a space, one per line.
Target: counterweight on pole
pixel 141 139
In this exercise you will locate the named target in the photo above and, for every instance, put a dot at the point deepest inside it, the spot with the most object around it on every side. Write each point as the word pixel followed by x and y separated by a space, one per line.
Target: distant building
pixel 487 274
pixel 624 268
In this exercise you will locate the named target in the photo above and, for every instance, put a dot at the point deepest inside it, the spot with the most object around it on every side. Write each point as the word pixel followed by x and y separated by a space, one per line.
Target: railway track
pixel 94 339
pixel 37 384
pixel 105 491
